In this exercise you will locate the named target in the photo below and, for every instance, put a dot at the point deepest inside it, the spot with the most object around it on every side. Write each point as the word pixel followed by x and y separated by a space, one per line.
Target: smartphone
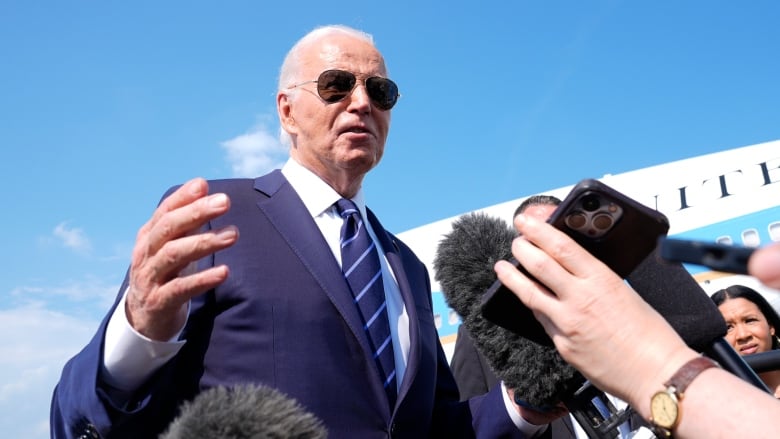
pixel 614 228
pixel 720 257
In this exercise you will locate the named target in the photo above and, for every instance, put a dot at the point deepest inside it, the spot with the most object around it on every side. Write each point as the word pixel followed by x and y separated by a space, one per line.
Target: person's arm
pixel 142 332
pixel 605 330
pixel 92 393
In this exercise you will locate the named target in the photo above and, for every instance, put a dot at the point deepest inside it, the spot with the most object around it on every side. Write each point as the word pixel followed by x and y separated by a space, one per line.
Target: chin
pixel 364 159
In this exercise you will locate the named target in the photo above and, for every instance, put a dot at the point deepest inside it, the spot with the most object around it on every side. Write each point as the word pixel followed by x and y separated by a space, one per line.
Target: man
pixel 201 308
pixel 471 369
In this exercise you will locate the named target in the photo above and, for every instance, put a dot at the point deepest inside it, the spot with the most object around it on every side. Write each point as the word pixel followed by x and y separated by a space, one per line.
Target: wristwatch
pixel 665 404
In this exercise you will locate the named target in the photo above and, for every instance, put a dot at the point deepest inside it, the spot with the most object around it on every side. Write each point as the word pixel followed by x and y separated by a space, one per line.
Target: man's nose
pixel 359 99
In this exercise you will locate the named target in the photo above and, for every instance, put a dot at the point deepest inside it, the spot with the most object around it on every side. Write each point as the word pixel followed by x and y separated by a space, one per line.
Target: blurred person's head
pixel 750 319
pixel 538 206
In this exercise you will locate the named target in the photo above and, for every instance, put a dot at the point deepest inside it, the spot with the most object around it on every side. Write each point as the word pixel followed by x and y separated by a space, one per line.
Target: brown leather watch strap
pixel 686 374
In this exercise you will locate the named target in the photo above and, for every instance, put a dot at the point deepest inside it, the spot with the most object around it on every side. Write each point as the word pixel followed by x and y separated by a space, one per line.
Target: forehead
pixel 739 306
pixel 343 52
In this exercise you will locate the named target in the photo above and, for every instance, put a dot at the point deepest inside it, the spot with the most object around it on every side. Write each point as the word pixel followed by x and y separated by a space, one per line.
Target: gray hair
pixel 291 67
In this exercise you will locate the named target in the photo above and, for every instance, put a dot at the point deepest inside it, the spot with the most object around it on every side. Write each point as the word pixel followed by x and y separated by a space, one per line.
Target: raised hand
pixel 162 278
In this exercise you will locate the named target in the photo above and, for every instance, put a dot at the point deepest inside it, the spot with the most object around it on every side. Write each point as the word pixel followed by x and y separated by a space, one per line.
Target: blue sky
pixel 104 105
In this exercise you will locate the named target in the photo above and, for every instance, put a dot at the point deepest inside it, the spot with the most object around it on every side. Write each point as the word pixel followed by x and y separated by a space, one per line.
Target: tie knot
pixel 346 207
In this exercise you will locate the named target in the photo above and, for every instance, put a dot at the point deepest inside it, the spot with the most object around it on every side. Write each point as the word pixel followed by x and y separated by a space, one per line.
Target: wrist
pixel 663 368
pixel 666 405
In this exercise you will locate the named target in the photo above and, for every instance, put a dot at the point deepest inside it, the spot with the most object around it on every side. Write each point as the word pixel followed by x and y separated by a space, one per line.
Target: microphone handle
pixel 722 352
pixel 764 361
pixel 596 414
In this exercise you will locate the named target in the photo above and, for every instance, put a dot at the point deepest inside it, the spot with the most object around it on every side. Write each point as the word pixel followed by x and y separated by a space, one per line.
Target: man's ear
pixel 284 108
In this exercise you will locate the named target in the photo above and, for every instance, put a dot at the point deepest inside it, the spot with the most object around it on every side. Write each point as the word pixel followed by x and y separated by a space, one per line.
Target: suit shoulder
pixel 217 185
pixel 230 185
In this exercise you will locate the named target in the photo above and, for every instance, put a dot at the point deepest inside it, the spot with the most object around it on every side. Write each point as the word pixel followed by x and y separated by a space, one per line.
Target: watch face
pixel 663 407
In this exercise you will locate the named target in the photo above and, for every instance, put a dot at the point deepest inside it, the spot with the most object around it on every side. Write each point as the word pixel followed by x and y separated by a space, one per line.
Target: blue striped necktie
pixel 360 264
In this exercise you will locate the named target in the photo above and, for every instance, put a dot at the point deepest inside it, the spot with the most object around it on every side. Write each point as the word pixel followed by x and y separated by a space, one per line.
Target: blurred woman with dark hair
pixel 752 325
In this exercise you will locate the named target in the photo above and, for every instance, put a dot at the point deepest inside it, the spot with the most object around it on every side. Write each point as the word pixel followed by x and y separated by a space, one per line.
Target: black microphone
pixel 464 268
pixel 675 294
pixel 244 412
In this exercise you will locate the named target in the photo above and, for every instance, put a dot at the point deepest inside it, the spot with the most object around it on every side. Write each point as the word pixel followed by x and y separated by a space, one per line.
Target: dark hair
pixel 743 292
pixel 536 200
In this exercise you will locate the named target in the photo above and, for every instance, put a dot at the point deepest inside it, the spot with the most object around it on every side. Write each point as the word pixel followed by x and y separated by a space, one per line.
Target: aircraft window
pixel 725 239
pixel 454 318
pixel 750 238
pixel 774 231
pixel 437 320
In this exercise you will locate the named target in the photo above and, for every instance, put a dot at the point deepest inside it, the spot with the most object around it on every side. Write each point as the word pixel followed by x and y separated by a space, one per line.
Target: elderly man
pixel 315 298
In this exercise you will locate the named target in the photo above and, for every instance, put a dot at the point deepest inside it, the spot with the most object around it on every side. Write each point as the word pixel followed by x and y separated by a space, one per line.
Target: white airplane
pixel 730 197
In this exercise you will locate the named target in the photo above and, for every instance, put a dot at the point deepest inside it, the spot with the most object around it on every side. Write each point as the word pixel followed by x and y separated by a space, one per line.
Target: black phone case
pixel 631 238
pixel 719 257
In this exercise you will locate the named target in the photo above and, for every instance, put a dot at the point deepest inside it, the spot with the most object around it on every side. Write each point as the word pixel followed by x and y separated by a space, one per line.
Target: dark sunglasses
pixel 335 85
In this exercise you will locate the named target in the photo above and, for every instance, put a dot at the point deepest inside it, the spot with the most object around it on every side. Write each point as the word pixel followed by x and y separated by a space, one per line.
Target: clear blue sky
pixel 103 105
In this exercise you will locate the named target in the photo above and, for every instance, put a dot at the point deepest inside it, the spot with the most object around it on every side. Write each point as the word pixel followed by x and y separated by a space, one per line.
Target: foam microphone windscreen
pixel 464 268
pixel 244 412
pixel 675 294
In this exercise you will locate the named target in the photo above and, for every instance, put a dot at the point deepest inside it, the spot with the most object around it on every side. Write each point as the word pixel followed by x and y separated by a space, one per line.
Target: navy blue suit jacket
pixel 285 318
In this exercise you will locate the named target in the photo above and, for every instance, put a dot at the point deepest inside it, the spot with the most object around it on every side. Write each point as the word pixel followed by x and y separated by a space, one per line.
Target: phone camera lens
pixel 576 220
pixel 590 202
pixel 602 222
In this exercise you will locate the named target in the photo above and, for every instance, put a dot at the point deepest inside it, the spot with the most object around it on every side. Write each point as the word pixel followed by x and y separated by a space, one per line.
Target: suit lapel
pixel 305 240
pixel 396 263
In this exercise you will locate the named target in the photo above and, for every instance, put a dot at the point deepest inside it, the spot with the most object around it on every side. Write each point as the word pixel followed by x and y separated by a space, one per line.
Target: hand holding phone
pixel 614 228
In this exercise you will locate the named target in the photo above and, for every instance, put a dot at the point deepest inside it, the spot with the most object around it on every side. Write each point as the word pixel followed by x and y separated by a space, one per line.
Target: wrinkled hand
pixel 597 322
pixel 159 286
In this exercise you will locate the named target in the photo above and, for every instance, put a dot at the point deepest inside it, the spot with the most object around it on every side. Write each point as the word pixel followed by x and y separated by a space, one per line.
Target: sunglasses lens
pixel 382 91
pixel 335 85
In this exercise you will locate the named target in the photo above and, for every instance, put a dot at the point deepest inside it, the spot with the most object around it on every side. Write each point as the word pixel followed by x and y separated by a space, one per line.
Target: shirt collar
pixel 317 196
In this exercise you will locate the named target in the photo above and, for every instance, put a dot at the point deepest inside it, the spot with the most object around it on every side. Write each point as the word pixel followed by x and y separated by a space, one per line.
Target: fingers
pixel 535 296
pixel 187 193
pixel 559 260
pixel 161 312
pixel 163 246
pixel 167 225
pixel 541 273
pixel 157 297
pixel 764 264
pixel 184 195
pixel 158 268
pixel 162 274
pixel 178 291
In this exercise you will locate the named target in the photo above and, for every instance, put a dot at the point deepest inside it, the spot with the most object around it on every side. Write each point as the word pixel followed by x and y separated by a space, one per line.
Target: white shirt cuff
pixel 129 358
